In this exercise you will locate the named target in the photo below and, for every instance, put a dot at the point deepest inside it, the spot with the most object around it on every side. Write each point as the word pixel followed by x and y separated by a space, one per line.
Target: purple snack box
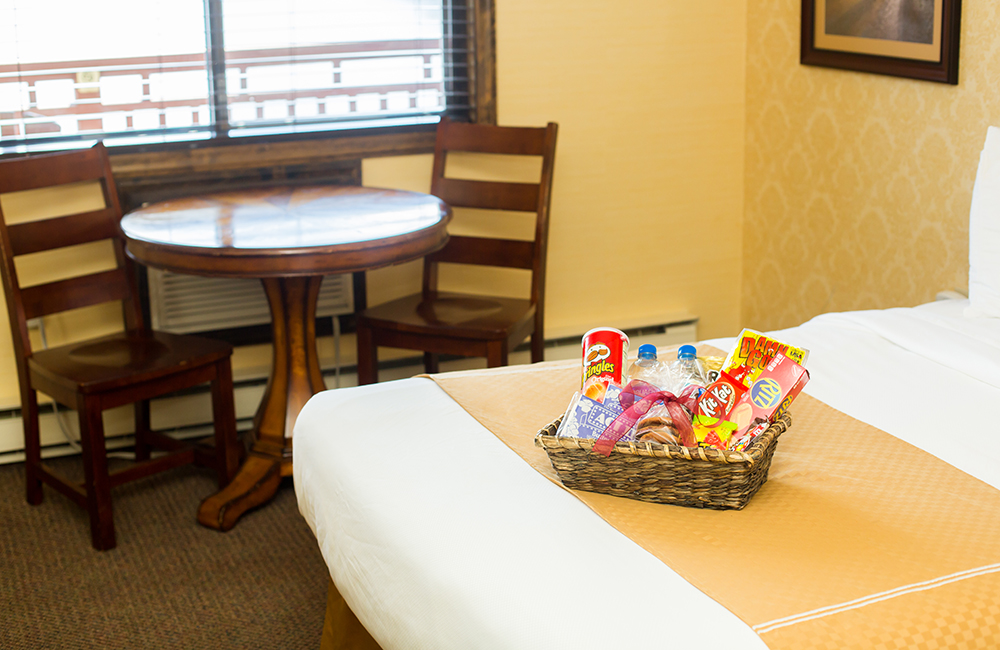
pixel 588 418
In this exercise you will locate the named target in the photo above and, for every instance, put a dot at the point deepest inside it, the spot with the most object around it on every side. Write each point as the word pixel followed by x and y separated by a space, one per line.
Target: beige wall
pixel 858 186
pixel 648 198
pixel 648 201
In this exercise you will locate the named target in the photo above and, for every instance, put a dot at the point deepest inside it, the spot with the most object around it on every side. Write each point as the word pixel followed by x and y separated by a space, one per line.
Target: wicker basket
pixel 648 471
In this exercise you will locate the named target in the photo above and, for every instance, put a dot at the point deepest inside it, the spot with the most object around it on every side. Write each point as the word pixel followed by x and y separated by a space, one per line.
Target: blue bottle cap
pixel 686 352
pixel 647 351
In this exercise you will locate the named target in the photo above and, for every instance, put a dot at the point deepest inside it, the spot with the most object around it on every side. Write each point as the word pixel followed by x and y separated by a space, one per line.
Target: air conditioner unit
pixel 184 304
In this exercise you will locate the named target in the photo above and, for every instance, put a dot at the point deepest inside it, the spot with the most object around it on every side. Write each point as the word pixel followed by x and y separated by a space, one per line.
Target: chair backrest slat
pixel 120 283
pixel 519 197
pixel 483 138
pixel 72 293
pixel 509 253
pixel 37 236
pixel 49 170
pixel 495 195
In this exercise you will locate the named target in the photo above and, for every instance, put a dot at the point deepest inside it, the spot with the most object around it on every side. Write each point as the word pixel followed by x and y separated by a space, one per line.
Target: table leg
pixel 295 377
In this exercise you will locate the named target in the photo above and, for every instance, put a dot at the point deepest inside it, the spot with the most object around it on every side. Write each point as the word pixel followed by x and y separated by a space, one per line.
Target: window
pixel 134 72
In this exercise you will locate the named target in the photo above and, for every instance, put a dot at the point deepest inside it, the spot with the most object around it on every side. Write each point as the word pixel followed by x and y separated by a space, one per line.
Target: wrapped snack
pixel 662 435
pixel 657 426
pixel 754 431
pixel 711 366
pixel 754 350
pixel 711 420
pixel 587 417
pixel 644 404
pixel 778 384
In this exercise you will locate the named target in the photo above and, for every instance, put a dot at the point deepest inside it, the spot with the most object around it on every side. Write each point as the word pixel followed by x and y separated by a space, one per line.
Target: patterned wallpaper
pixel 858 186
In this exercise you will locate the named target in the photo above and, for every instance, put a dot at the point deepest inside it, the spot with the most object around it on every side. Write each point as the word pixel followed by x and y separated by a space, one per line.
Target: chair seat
pixel 124 359
pixel 454 315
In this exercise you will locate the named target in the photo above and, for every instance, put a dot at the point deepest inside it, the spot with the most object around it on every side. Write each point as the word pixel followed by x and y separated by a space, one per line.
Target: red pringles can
pixel 604 352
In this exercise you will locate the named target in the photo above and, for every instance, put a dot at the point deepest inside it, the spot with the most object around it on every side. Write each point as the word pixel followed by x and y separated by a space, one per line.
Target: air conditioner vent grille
pixel 185 304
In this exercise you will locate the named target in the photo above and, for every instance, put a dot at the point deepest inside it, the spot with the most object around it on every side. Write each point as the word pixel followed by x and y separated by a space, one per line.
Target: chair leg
pixel 142 447
pixel 431 365
pixel 496 354
pixel 367 356
pixel 95 471
pixel 537 347
pixel 227 444
pixel 32 445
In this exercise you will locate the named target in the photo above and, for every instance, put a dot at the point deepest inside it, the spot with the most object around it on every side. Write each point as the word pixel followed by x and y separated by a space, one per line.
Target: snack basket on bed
pixel 698 477
pixel 871 512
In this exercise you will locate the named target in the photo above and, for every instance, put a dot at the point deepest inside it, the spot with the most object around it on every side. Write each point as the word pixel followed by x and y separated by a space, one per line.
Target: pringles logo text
pixel 599 368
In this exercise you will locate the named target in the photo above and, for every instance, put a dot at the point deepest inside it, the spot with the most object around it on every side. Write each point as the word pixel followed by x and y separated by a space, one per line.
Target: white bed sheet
pixel 439 536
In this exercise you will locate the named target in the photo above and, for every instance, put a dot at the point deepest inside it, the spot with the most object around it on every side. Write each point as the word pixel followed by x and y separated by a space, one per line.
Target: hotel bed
pixel 439 535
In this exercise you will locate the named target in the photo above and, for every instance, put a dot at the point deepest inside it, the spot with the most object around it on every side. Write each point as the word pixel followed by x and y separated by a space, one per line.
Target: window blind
pixel 135 72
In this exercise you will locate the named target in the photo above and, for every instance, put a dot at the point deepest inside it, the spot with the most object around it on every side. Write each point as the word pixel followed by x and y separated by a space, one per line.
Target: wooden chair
pixel 439 322
pixel 92 376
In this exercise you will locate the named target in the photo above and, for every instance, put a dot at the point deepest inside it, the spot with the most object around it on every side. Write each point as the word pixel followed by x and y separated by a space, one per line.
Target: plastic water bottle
pixel 686 370
pixel 647 368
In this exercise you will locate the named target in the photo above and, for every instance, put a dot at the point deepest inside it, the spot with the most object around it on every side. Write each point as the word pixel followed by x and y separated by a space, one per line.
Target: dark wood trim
pixel 943 71
pixel 484 69
pixel 245 154
pixel 217 71
pixel 137 190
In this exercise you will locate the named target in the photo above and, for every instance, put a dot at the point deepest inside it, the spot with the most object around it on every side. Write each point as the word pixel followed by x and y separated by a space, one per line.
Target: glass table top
pixel 285 218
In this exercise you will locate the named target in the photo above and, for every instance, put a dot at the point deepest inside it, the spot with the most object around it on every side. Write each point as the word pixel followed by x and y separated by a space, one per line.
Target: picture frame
pixel 920 41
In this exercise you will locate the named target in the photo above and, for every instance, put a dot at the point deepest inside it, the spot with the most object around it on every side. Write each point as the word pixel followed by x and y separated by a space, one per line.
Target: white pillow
pixel 984 232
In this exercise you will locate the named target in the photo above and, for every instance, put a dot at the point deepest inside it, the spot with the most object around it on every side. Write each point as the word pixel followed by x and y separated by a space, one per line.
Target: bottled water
pixel 647 368
pixel 686 370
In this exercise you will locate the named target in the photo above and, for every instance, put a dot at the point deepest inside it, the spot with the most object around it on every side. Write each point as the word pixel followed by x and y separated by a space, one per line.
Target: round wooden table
pixel 289 237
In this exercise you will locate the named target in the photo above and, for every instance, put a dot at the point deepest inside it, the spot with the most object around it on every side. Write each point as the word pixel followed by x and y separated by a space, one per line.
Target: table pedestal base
pixel 254 485
pixel 295 377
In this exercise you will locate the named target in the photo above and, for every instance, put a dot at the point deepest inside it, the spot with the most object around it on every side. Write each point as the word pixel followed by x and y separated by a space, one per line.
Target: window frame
pixel 155 163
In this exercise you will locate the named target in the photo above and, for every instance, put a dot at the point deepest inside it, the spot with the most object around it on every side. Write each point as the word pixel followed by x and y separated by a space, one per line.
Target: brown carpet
pixel 170 583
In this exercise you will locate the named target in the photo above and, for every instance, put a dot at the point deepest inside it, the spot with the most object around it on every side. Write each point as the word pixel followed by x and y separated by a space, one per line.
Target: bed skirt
pixel 341 628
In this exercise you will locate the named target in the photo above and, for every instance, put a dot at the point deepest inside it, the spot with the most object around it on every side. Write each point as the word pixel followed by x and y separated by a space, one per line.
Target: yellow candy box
pixel 755 351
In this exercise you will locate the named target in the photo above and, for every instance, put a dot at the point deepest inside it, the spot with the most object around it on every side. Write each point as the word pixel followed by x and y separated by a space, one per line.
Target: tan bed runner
pixel 857 540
